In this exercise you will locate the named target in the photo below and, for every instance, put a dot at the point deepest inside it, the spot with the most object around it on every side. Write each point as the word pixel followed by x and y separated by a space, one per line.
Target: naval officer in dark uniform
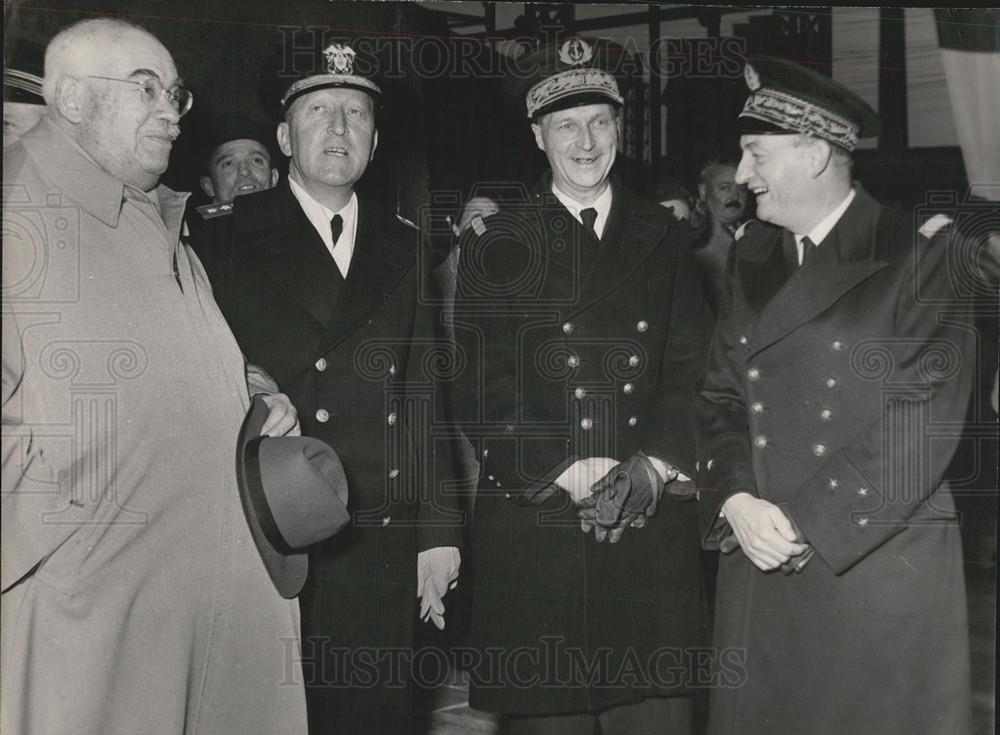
pixel 582 327
pixel 834 399
pixel 324 289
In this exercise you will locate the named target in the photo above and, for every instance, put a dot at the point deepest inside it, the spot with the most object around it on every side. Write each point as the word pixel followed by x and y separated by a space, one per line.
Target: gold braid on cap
pixel 781 108
pixel 570 82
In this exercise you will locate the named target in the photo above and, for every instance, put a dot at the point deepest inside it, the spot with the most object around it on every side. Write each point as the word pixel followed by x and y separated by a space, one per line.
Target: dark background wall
pixel 439 124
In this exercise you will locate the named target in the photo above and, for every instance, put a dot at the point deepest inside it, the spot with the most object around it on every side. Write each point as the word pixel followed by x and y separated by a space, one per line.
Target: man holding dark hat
pixel 133 599
pixel 842 365
pixel 581 322
pixel 323 289
pixel 23 104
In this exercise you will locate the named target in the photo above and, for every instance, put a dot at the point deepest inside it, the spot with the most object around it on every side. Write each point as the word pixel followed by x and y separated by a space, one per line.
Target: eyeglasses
pixel 151 90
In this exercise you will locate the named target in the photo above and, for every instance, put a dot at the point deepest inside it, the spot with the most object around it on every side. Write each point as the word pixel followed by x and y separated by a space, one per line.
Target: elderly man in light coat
pixel 134 600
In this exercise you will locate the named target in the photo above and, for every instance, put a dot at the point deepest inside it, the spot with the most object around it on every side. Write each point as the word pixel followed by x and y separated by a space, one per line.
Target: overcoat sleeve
pixel 725 467
pixel 432 355
pixel 894 465
pixel 40 509
pixel 671 436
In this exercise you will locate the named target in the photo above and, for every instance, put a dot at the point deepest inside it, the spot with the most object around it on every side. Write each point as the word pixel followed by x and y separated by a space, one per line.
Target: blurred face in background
pixel 238 167
pixel 724 199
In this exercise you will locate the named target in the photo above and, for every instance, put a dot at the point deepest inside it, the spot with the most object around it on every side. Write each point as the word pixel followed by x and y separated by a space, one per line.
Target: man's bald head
pixel 112 87
pixel 80 48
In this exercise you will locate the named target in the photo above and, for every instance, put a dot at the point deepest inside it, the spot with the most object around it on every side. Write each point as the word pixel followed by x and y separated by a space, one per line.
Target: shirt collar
pixel 820 231
pixel 316 211
pixel 319 215
pixel 602 204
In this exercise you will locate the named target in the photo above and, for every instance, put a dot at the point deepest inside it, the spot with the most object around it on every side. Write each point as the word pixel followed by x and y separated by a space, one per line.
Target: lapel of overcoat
pixel 382 257
pixel 631 234
pixel 292 253
pixel 843 260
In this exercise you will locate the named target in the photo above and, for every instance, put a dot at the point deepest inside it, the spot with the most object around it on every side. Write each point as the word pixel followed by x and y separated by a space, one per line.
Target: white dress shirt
pixel 602 205
pixel 319 215
pixel 820 231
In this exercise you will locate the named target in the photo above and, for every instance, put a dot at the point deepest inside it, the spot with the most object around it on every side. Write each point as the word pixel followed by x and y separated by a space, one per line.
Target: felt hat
pixel 294 494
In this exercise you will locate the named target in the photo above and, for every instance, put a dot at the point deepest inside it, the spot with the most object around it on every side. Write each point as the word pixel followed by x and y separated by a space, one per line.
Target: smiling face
pixel 581 144
pixel 777 172
pixel 127 137
pixel 724 199
pixel 238 167
pixel 330 135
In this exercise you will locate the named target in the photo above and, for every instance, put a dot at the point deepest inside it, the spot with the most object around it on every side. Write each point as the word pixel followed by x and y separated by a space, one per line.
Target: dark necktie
pixel 336 228
pixel 807 249
pixel 589 217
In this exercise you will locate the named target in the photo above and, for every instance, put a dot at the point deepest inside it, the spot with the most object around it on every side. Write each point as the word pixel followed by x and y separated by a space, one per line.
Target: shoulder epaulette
pixel 211 211
pixel 408 223
pixel 932 226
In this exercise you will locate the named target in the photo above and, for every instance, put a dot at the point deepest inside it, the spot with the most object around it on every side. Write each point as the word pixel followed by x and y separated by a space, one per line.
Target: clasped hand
pixel 625 496
pixel 767 536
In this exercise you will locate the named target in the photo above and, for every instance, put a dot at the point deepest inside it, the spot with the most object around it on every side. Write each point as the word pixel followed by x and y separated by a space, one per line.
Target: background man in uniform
pixel 237 165
pixel 837 386
pixel 323 289
pixel 582 324
pixel 134 600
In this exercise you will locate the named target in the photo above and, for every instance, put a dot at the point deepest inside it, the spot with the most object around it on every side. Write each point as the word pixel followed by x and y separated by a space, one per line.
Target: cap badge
pixel 575 51
pixel 339 59
pixel 752 78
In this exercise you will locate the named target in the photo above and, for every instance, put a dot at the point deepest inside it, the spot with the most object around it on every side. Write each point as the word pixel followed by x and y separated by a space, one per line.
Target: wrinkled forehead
pixel 333 96
pixel 131 53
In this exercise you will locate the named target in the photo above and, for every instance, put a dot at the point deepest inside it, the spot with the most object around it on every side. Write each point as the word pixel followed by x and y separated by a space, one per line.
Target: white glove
pixel 582 474
pixel 437 572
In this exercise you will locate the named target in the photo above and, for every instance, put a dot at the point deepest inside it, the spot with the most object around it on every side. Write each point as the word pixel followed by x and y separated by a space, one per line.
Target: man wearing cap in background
pixel 322 288
pixel 582 326
pixel 837 386
pixel 238 163
pixel 134 600
pixel 23 104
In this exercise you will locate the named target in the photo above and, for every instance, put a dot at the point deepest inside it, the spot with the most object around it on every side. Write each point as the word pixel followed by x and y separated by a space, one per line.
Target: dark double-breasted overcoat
pixel 358 356
pixel 838 390
pixel 575 348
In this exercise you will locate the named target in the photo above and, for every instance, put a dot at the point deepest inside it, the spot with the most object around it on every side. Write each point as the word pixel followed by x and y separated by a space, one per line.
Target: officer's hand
pixel 578 478
pixel 437 572
pixel 283 420
pixel 624 497
pixel 764 532
pixel 475 208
